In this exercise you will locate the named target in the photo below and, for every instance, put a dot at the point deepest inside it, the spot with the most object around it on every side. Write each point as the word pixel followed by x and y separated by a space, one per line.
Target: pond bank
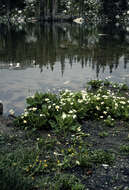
pixel 108 174
pixel 73 141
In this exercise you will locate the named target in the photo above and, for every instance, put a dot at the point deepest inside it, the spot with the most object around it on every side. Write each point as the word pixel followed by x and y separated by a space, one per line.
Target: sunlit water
pixel 53 57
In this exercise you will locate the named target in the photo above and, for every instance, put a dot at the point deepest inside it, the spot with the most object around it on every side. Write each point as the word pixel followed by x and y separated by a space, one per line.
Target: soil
pixel 115 176
pixel 6 125
pixel 104 176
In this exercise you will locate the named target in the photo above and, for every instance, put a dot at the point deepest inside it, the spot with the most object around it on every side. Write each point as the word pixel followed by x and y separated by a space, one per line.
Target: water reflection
pixel 41 57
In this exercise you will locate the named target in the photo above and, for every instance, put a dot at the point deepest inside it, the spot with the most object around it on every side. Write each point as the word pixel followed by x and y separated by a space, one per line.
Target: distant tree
pixel 111 8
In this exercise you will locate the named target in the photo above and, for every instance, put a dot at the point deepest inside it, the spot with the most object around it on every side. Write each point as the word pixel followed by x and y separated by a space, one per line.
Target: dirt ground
pixel 114 139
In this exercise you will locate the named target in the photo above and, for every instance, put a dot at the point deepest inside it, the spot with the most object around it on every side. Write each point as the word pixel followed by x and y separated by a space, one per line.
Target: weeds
pixel 65 145
pixel 124 148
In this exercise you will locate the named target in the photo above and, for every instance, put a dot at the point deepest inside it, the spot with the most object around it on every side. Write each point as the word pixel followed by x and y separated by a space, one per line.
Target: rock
pixel 9 123
pixel 78 20
pixel 1 108
pixel 105 166
pixel 63 46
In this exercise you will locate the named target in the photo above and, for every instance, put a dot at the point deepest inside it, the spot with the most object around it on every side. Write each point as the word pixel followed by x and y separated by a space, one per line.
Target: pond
pixel 50 57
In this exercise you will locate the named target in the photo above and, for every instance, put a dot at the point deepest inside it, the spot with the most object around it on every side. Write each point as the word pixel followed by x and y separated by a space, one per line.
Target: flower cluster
pixel 66 110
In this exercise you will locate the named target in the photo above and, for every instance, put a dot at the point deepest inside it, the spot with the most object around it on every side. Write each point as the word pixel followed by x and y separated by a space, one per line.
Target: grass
pixel 55 150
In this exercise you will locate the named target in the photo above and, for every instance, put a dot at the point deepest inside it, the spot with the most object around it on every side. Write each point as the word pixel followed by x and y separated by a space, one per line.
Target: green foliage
pixel 12 170
pixel 12 178
pixel 63 112
pixel 109 121
pixel 2 139
pixel 62 181
pixel 100 156
pixel 103 134
pixel 124 87
pixel 88 158
pixel 124 148
pixel 95 83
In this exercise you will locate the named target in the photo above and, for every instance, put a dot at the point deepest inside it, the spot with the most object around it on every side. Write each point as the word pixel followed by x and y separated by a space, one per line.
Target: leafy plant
pixel 65 111
pixel 124 148
pixel 95 83
pixel 103 134
pixel 12 178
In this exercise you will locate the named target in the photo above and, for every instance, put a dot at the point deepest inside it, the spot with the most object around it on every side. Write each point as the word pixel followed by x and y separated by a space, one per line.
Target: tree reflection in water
pixel 44 45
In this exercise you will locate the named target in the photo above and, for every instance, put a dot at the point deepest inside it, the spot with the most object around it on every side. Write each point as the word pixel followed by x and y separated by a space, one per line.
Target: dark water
pixel 52 57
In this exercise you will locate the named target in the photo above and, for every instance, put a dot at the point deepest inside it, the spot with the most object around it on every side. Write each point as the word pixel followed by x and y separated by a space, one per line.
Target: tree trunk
pixel 53 9
pixel 8 9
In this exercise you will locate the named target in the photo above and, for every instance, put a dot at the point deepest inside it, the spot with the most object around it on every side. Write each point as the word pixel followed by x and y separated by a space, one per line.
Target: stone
pixel 105 166
pixel 1 108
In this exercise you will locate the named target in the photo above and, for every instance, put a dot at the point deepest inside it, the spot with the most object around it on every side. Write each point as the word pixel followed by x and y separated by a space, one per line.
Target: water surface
pixel 52 57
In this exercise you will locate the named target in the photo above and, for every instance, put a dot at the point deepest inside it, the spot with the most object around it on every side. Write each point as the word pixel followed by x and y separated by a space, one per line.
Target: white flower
pixel 69 3
pixel 11 112
pixel 71 94
pixel 98 98
pixel 69 99
pixel 128 12
pixel 105 112
pixel 64 11
pixel 66 90
pixel 41 115
pixel 97 108
pixel 83 96
pixel 34 109
pixel 46 99
pixel 105 97
pixel 57 108
pixel 25 121
pixel 64 115
pixel 19 11
pixel 25 114
pixel 55 153
pixel 77 162
pixel 101 117
pixel 122 102
pixel 117 16
pixel 116 105
pixel 80 101
pixel 74 116
pixel 78 129
pixel 49 107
